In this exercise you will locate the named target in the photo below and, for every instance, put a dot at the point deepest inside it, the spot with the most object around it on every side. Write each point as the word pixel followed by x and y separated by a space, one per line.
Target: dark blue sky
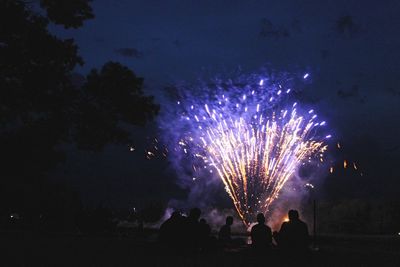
pixel 351 49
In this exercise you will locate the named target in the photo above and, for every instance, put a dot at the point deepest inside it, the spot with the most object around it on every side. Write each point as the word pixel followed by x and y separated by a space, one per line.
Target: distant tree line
pixel 359 216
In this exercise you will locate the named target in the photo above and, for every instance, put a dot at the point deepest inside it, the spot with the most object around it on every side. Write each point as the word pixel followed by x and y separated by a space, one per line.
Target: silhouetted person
pixel 224 235
pixel 170 230
pixel 205 231
pixel 293 234
pixel 191 230
pixel 261 235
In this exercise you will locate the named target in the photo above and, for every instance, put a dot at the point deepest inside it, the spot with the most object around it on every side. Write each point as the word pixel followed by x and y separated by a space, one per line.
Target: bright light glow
pixel 354 166
pixel 255 160
pixel 254 146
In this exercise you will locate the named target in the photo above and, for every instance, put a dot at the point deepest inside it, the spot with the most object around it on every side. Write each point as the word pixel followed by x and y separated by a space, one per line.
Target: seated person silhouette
pixel 205 228
pixel 293 234
pixel 169 233
pixel 224 235
pixel 261 236
pixel 205 235
pixel 192 230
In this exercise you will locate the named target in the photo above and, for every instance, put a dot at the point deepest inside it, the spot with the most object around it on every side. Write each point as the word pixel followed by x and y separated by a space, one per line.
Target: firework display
pixel 251 139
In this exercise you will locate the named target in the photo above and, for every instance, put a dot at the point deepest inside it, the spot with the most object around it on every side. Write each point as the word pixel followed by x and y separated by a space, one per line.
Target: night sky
pixel 350 49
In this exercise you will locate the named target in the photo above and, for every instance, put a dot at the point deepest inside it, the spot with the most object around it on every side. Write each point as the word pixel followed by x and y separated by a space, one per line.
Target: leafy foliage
pixel 70 13
pixel 40 108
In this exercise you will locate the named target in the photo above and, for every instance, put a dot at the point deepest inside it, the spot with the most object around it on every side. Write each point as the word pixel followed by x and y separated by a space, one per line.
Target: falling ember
pixel 253 146
pixel 331 170
pixel 354 165
pixel 309 185
pixel 338 145
pixel 345 164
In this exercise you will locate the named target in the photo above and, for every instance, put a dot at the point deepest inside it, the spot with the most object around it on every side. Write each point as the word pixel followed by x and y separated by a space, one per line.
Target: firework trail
pixel 251 140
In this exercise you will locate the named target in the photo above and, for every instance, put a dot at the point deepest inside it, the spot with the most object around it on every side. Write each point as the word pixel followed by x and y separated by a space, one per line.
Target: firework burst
pixel 251 140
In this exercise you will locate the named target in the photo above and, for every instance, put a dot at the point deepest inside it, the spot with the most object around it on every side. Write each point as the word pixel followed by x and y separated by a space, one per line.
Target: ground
pixel 79 250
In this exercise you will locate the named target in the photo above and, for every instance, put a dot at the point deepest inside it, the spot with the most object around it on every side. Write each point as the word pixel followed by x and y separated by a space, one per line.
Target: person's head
pixel 194 214
pixel 293 215
pixel 260 218
pixel 229 220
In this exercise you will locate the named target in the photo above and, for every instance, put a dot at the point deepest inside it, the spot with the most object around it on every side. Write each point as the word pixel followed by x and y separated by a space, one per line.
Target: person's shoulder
pixel 267 227
pixel 284 224
pixel 302 223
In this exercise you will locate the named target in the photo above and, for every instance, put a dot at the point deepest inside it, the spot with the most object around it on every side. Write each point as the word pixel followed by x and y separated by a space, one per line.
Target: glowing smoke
pixel 250 134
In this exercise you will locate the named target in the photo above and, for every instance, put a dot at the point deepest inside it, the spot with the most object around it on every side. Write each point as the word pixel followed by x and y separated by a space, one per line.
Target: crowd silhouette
pixel 190 233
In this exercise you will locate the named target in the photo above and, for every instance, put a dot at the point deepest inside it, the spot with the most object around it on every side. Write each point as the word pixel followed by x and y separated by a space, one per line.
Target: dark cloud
pixel 353 92
pixel 129 52
pixel 269 30
pixel 345 25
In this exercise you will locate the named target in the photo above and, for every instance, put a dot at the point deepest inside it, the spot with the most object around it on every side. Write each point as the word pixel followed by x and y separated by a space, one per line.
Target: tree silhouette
pixel 110 97
pixel 40 108
pixel 70 13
